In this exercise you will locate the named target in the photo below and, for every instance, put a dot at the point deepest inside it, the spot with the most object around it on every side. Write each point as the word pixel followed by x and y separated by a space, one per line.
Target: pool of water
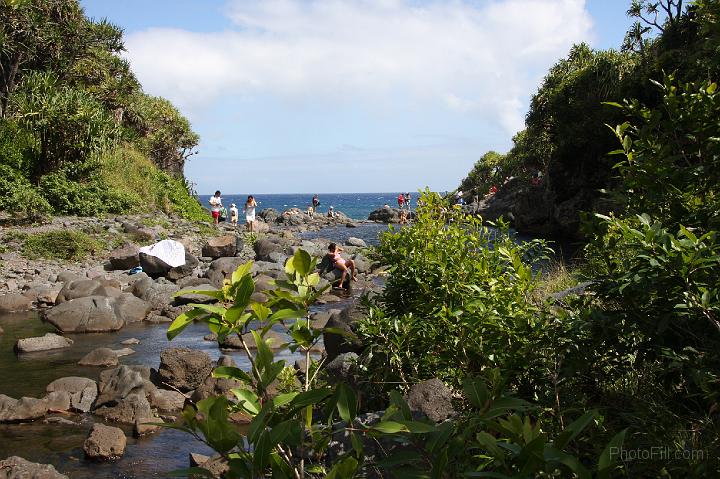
pixel 61 444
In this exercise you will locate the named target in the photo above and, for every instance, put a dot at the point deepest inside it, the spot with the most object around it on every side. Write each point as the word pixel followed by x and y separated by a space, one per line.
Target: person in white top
pixel 215 206
pixel 234 214
pixel 249 210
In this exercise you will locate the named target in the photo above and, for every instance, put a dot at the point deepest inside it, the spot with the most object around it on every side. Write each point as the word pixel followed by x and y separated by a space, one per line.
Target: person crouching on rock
pixel 234 214
pixel 341 263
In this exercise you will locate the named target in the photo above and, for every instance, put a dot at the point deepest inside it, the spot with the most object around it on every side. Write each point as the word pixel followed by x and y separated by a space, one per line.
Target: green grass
pixel 66 245
pixel 557 278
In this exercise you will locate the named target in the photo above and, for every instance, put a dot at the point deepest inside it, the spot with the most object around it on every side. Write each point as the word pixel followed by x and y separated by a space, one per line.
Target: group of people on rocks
pixel 220 213
pixel 403 200
pixel 313 208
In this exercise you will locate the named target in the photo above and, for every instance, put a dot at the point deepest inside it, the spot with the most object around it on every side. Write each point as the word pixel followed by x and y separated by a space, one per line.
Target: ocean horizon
pixel 355 205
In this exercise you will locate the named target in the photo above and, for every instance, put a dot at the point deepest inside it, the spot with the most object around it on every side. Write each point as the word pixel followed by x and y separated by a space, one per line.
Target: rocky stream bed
pixel 85 364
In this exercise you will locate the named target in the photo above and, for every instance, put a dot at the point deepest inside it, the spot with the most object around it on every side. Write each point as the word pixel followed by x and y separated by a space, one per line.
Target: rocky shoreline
pixel 98 296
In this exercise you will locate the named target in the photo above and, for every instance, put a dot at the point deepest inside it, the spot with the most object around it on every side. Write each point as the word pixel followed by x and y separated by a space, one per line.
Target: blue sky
pixel 350 96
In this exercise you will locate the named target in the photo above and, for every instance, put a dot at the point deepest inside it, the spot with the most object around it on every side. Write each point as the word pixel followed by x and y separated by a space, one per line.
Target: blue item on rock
pixel 135 270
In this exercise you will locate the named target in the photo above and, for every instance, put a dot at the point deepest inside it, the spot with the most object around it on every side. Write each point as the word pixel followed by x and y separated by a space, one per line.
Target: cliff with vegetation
pixel 77 133
pixel 566 136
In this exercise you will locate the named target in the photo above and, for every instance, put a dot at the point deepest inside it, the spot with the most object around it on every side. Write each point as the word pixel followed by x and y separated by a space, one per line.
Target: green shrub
pixel 458 298
pixel 27 202
pixel 68 245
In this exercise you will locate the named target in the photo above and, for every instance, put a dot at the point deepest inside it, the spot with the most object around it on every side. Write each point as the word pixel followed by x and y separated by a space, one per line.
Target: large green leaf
pixel 182 321
pixel 345 469
pixel 574 428
pixel 248 400
pixel 389 427
pixel 610 455
pixel 310 397
pixel 241 271
pixel 302 262
pixel 476 392
pixel 230 372
pixel 245 289
pixel 346 402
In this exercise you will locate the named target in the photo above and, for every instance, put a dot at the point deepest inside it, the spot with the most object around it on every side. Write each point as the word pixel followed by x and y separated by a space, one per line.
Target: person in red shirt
pixel 401 200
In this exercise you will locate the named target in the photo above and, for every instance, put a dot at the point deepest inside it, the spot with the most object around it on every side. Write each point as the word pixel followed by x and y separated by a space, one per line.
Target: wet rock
pixel 320 318
pixel 126 257
pixel 221 246
pixel 42 343
pixel 130 341
pixel 15 467
pixel 432 399
pixel 385 215
pixel 105 442
pixel 342 368
pixel 222 268
pixel 14 302
pixel 123 352
pixel 117 384
pixel 167 400
pixel 353 241
pixel 183 368
pixel 23 409
pixel 103 357
pixel 82 391
pixel 86 315
pixel 127 410
pixel 264 247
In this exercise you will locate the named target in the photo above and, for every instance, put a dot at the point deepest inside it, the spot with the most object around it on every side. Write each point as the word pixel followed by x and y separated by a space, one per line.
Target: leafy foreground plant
pixel 296 434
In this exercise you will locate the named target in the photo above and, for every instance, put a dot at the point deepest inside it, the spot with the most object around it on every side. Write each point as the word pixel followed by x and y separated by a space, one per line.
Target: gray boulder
pixel 179 272
pixel 154 266
pixel 157 294
pixel 264 247
pixel 92 314
pixel 432 399
pixel 269 215
pixel 103 357
pixel 385 215
pixel 105 442
pixel 14 302
pixel 125 257
pixel 183 368
pixel 221 246
pixel 131 309
pixel 127 410
pixel 342 369
pixel 118 383
pixel 82 391
pixel 222 268
pixel 15 467
pixel 23 409
pixel 42 343
pixel 88 287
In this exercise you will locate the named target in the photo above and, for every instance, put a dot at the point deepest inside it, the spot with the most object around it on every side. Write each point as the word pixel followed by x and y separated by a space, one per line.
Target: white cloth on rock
pixel 170 251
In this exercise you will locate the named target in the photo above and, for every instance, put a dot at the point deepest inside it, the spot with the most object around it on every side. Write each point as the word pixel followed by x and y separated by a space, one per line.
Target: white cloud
pixel 480 58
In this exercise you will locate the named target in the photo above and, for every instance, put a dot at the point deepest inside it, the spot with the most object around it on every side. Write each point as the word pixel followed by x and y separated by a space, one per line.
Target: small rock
pixel 219 247
pixel 123 352
pixel 130 341
pixel 183 368
pixel 432 399
pixel 105 442
pixel 103 357
pixel 352 241
pixel 42 343
pixel 82 391
pixel 145 426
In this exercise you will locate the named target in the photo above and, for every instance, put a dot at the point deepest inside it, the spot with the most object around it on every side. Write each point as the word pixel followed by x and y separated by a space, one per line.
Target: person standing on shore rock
pixel 234 214
pixel 407 200
pixel 249 210
pixel 401 200
pixel 315 203
pixel 215 206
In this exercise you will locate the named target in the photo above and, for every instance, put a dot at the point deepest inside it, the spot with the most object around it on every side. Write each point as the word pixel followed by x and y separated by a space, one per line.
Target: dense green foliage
pixel 563 136
pixel 67 102
pixel 67 245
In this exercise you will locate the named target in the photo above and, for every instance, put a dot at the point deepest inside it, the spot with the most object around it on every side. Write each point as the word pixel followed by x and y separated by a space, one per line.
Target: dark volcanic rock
pixel 264 248
pixel 222 268
pixel 125 257
pixel 179 272
pixel 336 344
pixel 183 368
pixel 431 398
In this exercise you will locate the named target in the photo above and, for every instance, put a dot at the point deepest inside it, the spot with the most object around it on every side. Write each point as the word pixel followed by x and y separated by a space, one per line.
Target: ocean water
pixel 355 205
